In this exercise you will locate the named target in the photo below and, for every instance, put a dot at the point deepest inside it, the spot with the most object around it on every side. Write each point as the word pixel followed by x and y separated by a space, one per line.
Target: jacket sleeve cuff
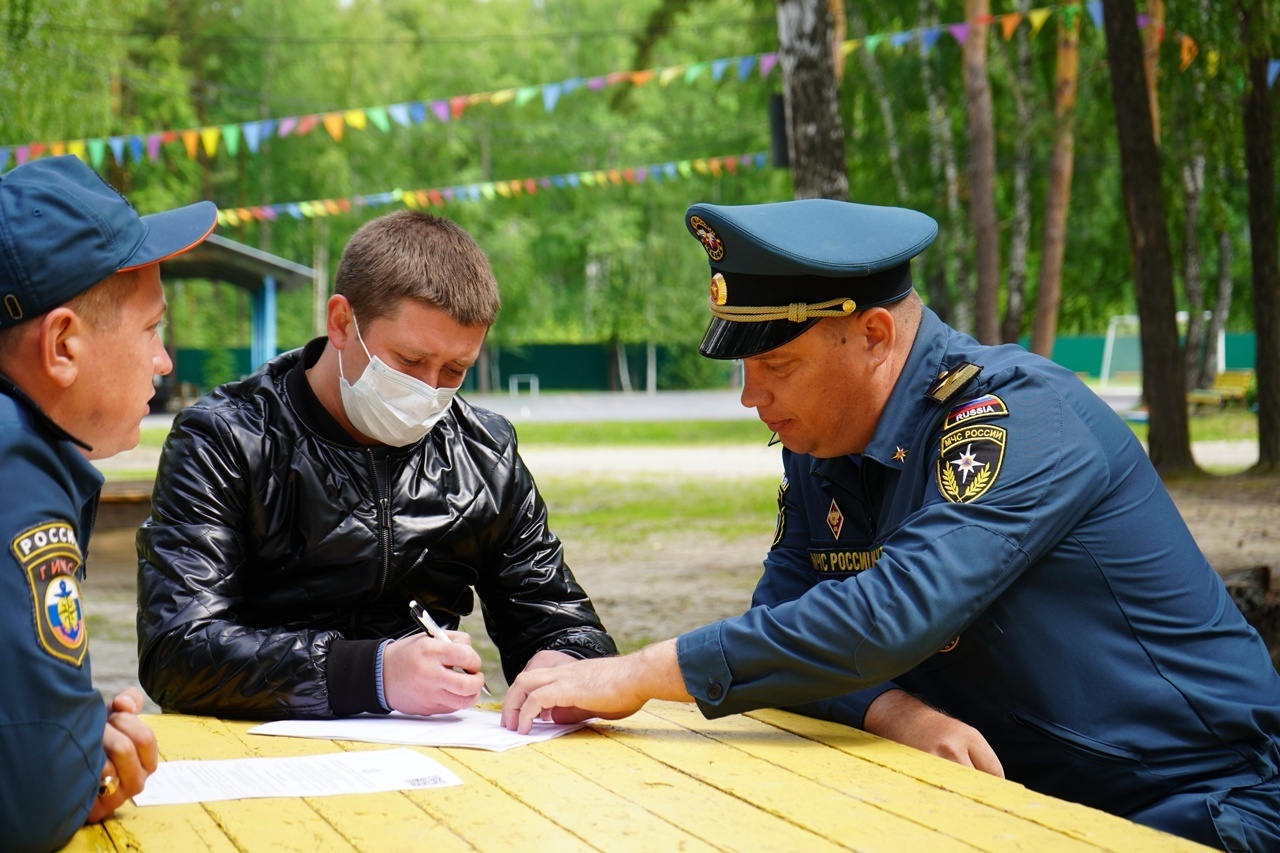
pixel 351 672
pixel 581 645
pixel 849 709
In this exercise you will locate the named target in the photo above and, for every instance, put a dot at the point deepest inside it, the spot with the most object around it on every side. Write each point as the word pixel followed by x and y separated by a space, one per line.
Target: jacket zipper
pixel 382 486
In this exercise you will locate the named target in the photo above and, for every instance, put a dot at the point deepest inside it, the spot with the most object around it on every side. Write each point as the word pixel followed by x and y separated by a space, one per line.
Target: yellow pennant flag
pixel 210 136
pixel 1212 59
pixel 1037 18
pixel 848 47
pixel 356 118
pixel 502 97
pixel 669 74
pixel 77 147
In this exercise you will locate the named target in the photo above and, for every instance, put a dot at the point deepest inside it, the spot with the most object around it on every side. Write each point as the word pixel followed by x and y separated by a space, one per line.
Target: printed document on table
pixel 364 772
pixel 471 728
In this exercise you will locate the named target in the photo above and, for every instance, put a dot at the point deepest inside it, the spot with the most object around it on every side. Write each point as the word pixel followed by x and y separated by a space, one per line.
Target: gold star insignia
pixel 899 454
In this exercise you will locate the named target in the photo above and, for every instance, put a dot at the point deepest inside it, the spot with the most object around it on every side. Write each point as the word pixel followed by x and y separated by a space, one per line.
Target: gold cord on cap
pixel 796 312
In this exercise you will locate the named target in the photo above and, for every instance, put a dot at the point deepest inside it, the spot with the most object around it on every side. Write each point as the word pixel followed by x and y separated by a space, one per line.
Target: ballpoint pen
pixel 433 630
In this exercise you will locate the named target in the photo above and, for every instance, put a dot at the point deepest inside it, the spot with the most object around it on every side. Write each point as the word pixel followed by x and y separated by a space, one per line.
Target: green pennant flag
pixel 378 118
pixel 97 150
pixel 231 138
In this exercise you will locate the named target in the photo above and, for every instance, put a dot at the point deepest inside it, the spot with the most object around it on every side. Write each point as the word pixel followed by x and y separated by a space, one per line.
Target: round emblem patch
pixel 970 461
pixel 708 237
pixel 62 612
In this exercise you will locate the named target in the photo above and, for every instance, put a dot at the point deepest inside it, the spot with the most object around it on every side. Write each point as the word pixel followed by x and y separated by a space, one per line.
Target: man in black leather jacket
pixel 297 512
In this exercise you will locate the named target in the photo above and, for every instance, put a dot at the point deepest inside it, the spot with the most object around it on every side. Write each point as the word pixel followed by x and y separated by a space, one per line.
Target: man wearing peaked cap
pixel 80 307
pixel 960 527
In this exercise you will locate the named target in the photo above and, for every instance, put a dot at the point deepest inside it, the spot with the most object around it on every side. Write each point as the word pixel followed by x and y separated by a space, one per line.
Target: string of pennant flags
pixel 229 138
pixel 715 167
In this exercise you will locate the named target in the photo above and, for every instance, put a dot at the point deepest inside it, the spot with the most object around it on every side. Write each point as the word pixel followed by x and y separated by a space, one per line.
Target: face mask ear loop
pixel 359 338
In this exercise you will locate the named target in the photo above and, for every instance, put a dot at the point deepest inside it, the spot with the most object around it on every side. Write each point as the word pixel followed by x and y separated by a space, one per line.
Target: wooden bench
pixel 1228 386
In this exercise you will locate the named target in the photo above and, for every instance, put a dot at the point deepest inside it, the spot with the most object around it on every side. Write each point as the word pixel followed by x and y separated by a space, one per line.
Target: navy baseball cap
pixel 63 229
pixel 779 268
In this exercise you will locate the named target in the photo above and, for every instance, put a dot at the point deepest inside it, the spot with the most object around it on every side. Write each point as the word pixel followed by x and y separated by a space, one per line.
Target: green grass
pixel 657 433
pixel 625 510
pixel 1230 424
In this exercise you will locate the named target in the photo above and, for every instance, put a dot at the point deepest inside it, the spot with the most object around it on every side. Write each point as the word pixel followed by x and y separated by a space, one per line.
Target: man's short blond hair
pixel 99 307
pixel 412 255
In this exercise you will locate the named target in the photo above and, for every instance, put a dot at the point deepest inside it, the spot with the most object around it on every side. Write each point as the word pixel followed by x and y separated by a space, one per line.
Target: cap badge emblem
pixel 710 240
pixel 719 290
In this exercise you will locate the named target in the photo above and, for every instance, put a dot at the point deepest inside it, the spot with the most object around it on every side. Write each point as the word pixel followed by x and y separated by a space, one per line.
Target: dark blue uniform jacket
pixel 1011 557
pixel 51 718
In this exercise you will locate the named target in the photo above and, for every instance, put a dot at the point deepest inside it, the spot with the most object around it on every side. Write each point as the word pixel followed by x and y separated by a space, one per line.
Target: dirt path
pixel 667 585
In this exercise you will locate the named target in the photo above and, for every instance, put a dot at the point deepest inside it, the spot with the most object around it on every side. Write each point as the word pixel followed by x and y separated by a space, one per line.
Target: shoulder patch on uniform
pixel 49 555
pixel 949 382
pixel 986 406
pixel 780 528
pixel 970 461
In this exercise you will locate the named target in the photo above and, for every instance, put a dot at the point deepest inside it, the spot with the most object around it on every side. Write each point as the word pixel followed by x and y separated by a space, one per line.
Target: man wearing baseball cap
pixel 962 528
pixel 80 310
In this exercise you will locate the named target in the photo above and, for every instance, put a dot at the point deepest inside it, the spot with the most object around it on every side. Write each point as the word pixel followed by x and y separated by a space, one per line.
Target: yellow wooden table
pixel 665 779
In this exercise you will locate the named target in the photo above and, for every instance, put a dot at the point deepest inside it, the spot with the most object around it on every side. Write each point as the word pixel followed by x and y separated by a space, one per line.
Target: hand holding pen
pixel 433 630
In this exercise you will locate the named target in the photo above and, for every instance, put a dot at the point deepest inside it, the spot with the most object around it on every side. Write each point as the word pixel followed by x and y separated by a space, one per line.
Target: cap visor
pixel 727 339
pixel 172 233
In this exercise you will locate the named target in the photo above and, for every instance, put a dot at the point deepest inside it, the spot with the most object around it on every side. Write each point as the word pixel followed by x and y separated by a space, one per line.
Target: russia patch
pixel 49 554
pixel 986 406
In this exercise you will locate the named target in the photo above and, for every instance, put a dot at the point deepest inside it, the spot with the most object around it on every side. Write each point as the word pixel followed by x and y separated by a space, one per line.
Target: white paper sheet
pixel 364 772
pixel 471 728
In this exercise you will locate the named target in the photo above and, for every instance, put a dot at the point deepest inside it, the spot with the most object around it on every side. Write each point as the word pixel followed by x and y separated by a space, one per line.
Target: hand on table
pixel 901 717
pixel 611 688
pixel 418 675
pixel 130 747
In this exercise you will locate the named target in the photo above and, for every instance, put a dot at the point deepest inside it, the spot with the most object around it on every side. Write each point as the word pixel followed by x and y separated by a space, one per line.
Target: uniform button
pixel 714 692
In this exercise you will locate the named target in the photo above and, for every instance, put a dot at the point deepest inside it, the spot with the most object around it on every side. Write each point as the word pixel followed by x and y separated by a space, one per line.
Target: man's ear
pixel 63 345
pixel 338 320
pixel 881 334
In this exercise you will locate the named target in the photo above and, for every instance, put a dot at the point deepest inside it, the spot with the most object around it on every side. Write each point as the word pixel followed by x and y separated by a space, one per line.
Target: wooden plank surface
pixel 1070 820
pixel 665 779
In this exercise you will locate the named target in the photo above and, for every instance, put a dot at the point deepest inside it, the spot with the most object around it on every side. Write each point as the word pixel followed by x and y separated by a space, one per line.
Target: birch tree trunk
pixel 876 76
pixel 815 139
pixel 1193 266
pixel 1044 330
pixel 1221 309
pixel 982 171
pixel 950 287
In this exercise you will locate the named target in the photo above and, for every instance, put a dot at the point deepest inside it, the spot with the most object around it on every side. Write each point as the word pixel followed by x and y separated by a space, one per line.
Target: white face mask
pixel 388 405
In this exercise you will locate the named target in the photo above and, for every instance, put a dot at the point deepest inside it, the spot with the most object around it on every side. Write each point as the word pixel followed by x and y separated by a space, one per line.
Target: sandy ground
pixel 669 584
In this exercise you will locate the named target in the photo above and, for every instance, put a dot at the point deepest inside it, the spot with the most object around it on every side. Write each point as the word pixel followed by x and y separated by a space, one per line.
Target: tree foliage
pixel 614 264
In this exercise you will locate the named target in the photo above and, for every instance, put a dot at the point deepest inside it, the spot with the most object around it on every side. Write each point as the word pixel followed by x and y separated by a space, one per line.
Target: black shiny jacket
pixel 279 552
